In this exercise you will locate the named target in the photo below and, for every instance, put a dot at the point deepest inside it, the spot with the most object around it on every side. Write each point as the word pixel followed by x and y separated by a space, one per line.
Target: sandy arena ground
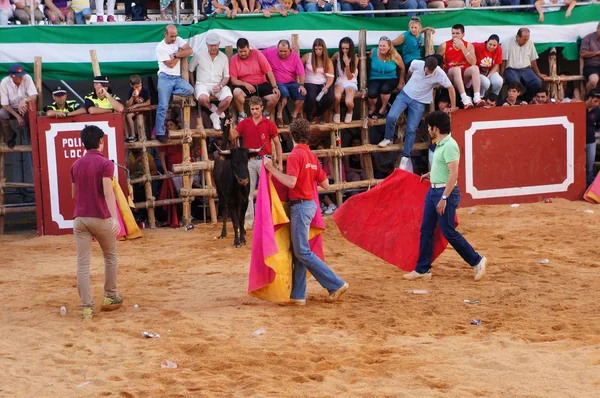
pixel 540 335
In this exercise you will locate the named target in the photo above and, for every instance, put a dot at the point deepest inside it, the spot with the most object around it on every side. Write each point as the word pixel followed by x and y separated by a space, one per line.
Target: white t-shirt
pixel 209 71
pixel 12 94
pixel 164 52
pixel 420 86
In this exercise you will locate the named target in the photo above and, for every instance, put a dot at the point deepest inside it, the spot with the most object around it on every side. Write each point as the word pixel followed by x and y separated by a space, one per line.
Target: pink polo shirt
pixel 87 173
pixel 251 70
pixel 285 70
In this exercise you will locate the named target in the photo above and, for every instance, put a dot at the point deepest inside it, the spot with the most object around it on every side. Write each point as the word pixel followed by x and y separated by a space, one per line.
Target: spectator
pixel 315 5
pixel 347 71
pixel 22 11
pixel 521 63
pixel 81 10
pixel 411 5
pixel 515 2
pixel 491 100
pixel 228 7
pixel 6 12
pixel 540 3
pixel 319 79
pixel 289 74
pixel 542 97
pixel 489 59
pixel 171 155
pixel 59 11
pixel 590 52
pixel 592 113
pixel 383 164
pixel 62 107
pixel 264 6
pixel 138 96
pixel 327 205
pixel 101 99
pixel 164 4
pixel 137 12
pixel 110 9
pixel 515 89
pixel 212 76
pixel 411 41
pixel 460 65
pixel 283 8
pixel 357 5
pixel 248 69
pixel 446 4
pixel 168 52
pixel 16 91
pixel 384 77
pixel 567 92
pixel 355 170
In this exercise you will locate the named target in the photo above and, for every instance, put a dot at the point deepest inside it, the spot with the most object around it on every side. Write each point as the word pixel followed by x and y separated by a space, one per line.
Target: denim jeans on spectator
pixel 301 215
pixel 357 7
pixel 290 90
pixel 80 16
pixel 517 3
pixel 526 77
pixel 430 220
pixel 590 157
pixel 415 112
pixel 313 7
pixel 493 82
pixel 169 85
pixel 413 5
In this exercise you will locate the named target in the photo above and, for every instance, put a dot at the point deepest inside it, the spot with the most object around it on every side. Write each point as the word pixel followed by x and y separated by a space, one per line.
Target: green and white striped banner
pixel 130 48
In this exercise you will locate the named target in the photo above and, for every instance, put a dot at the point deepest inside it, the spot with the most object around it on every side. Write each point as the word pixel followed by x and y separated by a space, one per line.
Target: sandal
pixel 128 18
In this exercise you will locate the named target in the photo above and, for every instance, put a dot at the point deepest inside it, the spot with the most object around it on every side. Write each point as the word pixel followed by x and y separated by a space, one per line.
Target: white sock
pixel 476 95
pixel 464 96
pixel 213 108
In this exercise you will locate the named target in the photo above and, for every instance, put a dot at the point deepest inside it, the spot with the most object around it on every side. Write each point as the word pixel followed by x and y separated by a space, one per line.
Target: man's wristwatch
pixel 274 86
pixel 444 197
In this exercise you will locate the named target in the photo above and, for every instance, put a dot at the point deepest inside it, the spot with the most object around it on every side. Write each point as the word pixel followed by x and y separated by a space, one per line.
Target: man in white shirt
pixel 415 95
pixel 169 52
pixel 212 76
pixel 520 58
pixel 16 90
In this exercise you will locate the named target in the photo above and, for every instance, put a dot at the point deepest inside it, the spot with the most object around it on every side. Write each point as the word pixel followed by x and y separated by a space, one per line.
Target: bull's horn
pixel 257 150
pixel 222 152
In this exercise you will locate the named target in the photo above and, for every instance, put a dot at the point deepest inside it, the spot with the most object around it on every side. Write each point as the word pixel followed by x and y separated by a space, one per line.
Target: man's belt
pixel 440 185
pixel 297 201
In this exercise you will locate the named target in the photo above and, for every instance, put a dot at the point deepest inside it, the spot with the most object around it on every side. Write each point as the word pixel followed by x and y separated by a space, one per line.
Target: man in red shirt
pixel 249 70
pixel 460 65
pixel 257 132
pixel 303 171
pixel 95 216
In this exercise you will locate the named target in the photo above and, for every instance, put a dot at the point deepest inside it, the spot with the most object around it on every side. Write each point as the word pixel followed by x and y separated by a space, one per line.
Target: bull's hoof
pixel 222 237
pixel 243 241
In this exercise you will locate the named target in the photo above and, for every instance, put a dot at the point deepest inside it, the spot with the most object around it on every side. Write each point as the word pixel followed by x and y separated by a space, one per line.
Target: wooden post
pixel 95 64
pixel 364 110
pixel 146 165
pixel 2 179
pixel 186 156
pixel 554 85
pixel 229 51
pixel 295 41
pixel 37 76
pixel 207 174
pixel 336 163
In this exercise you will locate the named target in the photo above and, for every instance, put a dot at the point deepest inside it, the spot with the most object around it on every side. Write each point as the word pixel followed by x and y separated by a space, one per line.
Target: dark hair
pixel 300 130
pixel 541 90
pixel 431 63
pixel 460 27
pixel 593 93
pixel 493 37
pixel 492 97
pixel 91 136
pixel 351 53
pixel 521 31
pixel 443 96
pixel 283 42
pixel 516 86
pixel 135 79
pixel 439 119
pixel 242 43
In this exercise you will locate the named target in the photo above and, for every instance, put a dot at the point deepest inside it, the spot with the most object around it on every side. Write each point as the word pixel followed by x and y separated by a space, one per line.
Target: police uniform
pixel 70 106
pixel 92 100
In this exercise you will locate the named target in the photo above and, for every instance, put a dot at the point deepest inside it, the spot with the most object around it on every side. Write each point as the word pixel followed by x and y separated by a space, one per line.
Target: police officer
pixel 62 107
pixel 101 100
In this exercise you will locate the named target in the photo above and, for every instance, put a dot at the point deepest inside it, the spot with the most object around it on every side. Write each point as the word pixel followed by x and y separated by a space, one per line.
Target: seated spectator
pixel 289 74
pixel 542 98
pixel 101 99
pixel 319 79
pixel 567 92
pixel 81 10
pixel 264 6
pixel 59 11
pixel 22 11
pixel 411 41
pixel 283 8
pixel 446 4
pixel 491 100
pixel 442 101
pixel 592 113
pixel 6 12
pixel 346 82
pixel 171 155
pixel 590 52
pixel 357 5
pixel 520 56
pixel 411 5
pixel 353 164
pixel 135 165
pixel 327 205
pixel 138 96
pixel 248 69
pixel 489 59
pixel 387 74
pixel 541 11
pixel 164 4
pixel 136 12
pixel 515 89
pixel 62 107
pixel 383 164
pixel 110 10
pixel 516 2
pixel 17 90
pixel 315 5
pixel 460 65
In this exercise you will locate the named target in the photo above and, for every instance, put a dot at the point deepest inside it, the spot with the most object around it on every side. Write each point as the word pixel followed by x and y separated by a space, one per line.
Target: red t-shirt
pixel 454 57
pixel 251 70
pixel 255 135
pixel 87 173
pixel 173 155
pixel 305 166
pixel 485 58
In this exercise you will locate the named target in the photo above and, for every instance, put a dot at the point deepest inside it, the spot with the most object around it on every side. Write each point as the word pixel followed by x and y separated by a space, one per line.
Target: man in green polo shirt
pixel 442 200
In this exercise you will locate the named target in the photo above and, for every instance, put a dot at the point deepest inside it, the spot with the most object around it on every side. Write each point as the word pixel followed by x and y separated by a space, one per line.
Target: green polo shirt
pixel 446 151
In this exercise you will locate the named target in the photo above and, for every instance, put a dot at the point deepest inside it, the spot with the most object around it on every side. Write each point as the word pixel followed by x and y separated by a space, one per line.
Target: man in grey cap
pixel 212 76
pixel 16 91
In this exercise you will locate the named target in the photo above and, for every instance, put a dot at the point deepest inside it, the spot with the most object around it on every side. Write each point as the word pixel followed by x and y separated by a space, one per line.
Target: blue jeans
pixel 525 76
pixel 80 16
pixel 167 86
pixel 590 157
pixel 357 7
pixel 415 112
pixel 429 223
pixel 413 5
pixel 301 215
pixel 290 90
pixel 313 7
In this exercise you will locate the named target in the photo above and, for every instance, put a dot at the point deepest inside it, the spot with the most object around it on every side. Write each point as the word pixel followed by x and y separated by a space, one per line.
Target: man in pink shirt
pixel 289 74
pixel 249 71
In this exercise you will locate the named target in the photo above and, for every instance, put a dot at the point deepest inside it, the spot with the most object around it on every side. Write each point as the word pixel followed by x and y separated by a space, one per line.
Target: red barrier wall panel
pixel 521 154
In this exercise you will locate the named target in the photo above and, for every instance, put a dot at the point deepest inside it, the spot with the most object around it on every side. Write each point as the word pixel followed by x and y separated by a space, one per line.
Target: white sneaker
pixel 216 121
pixel 467 102
pixel 404 163
pixel 411 276
pixel 385 142
pixel 480 269
pixel 330 209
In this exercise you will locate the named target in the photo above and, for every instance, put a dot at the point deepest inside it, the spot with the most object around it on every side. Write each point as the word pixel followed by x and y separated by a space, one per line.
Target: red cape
pixel 386 220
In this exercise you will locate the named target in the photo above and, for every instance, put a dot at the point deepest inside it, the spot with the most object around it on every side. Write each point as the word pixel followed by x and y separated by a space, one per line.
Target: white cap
pixel 212 39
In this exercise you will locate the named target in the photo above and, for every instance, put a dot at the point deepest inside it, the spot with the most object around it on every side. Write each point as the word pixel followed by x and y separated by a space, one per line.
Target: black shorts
pixel 262 90
pixel 590 70
pixel 381 86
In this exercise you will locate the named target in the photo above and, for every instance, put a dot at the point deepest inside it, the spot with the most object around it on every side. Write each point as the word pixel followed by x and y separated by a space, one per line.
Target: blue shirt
pixel 411 48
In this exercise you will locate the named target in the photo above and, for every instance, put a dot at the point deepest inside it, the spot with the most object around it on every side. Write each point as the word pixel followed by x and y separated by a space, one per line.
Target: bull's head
pixel 239 161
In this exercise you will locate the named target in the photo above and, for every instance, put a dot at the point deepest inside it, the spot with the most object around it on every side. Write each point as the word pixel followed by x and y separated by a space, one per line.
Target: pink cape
pixel 386 220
